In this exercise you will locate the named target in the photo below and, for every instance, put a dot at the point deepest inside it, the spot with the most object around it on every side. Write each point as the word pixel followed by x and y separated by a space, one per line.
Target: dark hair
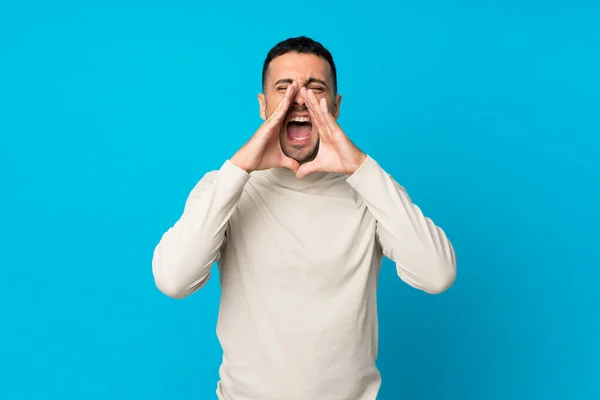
pixel 300 45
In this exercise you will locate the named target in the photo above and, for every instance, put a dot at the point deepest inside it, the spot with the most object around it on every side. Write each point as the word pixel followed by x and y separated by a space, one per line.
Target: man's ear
pixel 336 106
pixel 262 103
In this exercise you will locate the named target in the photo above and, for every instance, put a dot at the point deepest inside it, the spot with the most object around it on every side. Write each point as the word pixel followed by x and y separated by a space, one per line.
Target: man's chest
pixel 279 228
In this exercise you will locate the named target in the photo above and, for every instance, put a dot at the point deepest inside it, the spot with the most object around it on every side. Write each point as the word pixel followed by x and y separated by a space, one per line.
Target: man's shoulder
pixel 210 175
pixel 227 170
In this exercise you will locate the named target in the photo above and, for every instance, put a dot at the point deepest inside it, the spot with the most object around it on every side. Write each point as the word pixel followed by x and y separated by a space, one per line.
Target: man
pixel 298 221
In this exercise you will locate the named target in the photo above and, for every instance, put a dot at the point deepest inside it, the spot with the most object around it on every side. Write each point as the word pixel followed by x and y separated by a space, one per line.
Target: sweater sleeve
pixel 184 256
pixel 424 256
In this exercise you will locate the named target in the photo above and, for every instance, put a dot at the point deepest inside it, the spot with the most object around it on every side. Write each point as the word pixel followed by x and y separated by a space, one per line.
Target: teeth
pixel 300 119
pixel 301 138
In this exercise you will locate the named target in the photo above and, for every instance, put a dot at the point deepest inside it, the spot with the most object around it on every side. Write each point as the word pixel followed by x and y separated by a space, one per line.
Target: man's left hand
pixel 336 152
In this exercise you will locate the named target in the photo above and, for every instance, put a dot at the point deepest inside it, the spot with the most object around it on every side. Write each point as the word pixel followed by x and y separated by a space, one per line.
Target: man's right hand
pixel 263 150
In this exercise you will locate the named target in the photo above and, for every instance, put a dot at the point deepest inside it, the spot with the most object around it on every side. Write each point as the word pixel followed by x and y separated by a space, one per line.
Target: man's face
pixel 299 139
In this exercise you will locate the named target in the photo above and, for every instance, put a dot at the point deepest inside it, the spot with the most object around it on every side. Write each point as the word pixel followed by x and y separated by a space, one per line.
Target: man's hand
pixel 263 150
pixel 336 153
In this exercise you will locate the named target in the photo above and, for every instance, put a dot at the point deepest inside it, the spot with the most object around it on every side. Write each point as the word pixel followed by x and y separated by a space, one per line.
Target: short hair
pixel 300 45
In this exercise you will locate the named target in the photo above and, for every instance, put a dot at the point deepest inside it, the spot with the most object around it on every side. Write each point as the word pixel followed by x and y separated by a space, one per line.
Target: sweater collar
pixel 286 177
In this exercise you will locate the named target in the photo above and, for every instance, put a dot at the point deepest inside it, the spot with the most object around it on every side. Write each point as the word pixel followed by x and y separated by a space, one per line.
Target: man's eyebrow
pixel 315 80
pixel 290 81
pixel 308 81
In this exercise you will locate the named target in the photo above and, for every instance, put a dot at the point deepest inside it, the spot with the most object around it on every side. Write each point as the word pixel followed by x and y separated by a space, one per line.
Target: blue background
pixel 486 111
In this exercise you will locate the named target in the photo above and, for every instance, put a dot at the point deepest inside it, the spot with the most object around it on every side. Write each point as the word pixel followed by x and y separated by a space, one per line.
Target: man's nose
pixel 298 98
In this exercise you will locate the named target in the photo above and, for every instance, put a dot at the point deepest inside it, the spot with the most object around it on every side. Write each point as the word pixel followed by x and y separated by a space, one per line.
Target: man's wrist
pixel 238 161
pixel 359 160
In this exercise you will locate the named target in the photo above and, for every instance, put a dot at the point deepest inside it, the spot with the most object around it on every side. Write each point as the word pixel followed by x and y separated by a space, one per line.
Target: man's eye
pixel 317 89
pixel 282 88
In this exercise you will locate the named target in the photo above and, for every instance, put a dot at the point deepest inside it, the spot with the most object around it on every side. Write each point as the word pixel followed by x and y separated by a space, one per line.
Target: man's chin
pixel 301 155
pixel 301 151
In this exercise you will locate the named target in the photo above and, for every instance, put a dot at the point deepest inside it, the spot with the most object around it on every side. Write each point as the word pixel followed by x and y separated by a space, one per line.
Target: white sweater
pixel 299 262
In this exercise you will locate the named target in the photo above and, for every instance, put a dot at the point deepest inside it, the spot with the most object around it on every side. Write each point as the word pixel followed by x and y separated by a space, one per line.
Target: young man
pixel 298 221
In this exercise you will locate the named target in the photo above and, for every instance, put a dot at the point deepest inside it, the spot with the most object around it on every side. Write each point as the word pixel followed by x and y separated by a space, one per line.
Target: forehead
pixel 298 66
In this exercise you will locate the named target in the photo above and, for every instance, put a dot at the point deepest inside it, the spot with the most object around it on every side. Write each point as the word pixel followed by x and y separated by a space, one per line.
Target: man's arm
pixel 423 254
pixel 184 256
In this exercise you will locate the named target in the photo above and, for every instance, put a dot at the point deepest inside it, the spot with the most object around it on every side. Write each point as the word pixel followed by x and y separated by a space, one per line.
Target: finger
pixel 312 110
pixel 318 109
pixel 313 98
pixel 291 164
pixel 277 116
pixel 323 104
pixel 284 104
pixel 328 118
pixel 313 116
pixel 311 101
pixel 303 171
pixel 306 169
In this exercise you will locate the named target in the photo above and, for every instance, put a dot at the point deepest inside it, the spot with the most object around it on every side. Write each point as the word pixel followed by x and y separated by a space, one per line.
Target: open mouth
pixel 299 129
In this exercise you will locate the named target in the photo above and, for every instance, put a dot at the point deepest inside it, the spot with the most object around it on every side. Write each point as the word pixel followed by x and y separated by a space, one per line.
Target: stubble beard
pixel 302 154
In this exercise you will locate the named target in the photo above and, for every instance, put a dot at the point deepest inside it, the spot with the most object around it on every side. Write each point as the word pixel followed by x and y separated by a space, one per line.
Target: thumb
pixel 290 163
pixel 306 169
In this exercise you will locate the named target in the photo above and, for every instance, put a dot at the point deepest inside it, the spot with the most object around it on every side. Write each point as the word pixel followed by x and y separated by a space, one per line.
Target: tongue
pixel 299 131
